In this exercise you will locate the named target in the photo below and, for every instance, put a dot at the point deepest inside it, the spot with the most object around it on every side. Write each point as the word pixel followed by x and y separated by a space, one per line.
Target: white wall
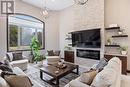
pixel 118 12
pixel 52 39
pixel 77 18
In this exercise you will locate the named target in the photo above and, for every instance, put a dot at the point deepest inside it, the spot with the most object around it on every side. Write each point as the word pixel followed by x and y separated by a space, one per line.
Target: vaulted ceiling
pixel 55 5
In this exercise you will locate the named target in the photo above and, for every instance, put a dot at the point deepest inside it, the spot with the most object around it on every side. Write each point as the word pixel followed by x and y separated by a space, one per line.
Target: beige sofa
pixel 119 81
pixel 17 71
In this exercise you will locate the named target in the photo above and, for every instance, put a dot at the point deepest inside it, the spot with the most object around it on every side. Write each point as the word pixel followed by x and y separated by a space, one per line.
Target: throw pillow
pixel 9 57
pixel 50 53
pixel 88 77
pixel 5 67
pixel 105 78
pixel 18 81
pixel 17 56
pixel 4 73
pixel 102 63
pixel 57 53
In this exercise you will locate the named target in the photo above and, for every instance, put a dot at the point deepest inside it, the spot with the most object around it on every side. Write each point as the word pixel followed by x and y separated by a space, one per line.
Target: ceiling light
pixel 80 2
pixel 45 12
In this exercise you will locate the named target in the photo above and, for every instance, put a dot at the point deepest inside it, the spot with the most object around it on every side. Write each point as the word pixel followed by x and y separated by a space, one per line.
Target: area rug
pixel 34 74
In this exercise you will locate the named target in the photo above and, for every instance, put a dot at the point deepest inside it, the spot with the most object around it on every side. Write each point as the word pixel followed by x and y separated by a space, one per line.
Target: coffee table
pixel 50 70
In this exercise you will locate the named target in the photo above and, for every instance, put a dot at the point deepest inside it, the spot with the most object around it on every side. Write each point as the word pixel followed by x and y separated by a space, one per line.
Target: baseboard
pixel 128 71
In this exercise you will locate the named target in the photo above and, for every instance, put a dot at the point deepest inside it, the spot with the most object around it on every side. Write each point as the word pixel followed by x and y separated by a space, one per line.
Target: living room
pixel 63 23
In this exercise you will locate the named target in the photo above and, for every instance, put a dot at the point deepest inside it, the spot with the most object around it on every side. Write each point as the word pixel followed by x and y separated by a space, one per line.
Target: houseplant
pixel 123 50
pixel 35 46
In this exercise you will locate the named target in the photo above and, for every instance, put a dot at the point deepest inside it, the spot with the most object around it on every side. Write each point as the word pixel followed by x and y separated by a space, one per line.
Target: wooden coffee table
pixel 50 70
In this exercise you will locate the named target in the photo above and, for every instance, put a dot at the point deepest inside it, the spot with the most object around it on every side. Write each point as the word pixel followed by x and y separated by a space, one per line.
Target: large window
pixel 21 29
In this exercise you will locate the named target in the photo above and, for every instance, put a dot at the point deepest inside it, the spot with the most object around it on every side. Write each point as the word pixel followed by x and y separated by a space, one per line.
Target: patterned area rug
pixel 34 74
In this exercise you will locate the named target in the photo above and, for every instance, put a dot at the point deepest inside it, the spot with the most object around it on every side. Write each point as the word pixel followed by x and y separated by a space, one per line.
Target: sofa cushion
pixel 113 64
pixel 88 77
pixel 18 81
pixel 105 78
pixel 125 81
pixel 76 83
pixel 52 59
pixel 114 59
pixel 3 83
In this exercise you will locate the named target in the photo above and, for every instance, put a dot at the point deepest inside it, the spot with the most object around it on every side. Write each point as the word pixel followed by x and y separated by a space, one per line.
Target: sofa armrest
pixel 18 71
pixel 25 57
pixel 125 81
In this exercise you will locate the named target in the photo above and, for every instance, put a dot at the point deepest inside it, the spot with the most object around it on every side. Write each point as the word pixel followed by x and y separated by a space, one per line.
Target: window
pixel 21 29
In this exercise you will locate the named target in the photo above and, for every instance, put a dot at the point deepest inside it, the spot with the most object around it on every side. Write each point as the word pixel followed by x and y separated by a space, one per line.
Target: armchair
pixel 53 57
pixel 21 63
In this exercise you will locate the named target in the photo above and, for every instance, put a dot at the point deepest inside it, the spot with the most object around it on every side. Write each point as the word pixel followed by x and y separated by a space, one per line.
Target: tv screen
pixel 86 38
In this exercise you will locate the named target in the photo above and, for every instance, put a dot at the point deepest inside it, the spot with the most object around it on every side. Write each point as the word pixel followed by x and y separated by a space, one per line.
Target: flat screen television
pixel 87 38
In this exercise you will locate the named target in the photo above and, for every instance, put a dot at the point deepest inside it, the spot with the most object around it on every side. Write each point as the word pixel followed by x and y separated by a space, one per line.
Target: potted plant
pixel 35 46
pixel 123 50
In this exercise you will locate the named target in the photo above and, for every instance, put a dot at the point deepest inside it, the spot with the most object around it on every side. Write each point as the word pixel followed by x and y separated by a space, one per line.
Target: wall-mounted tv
pixel 87 38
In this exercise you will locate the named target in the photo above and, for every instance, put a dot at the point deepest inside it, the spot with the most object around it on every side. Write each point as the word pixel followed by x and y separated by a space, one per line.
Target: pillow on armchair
pixel 9 56
pixel 14 56
pixel 50 53
pixel 53 53
pixel 17 56
pixel 57 53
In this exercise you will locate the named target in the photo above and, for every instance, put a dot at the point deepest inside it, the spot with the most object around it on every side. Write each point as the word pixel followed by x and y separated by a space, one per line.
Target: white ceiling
pixel 55 5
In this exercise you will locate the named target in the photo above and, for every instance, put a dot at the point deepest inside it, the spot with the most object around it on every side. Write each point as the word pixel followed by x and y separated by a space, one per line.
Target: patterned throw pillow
pixel 102 63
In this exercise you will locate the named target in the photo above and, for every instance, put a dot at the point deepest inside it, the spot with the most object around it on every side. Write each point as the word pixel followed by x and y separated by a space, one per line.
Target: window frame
pixel 7 29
